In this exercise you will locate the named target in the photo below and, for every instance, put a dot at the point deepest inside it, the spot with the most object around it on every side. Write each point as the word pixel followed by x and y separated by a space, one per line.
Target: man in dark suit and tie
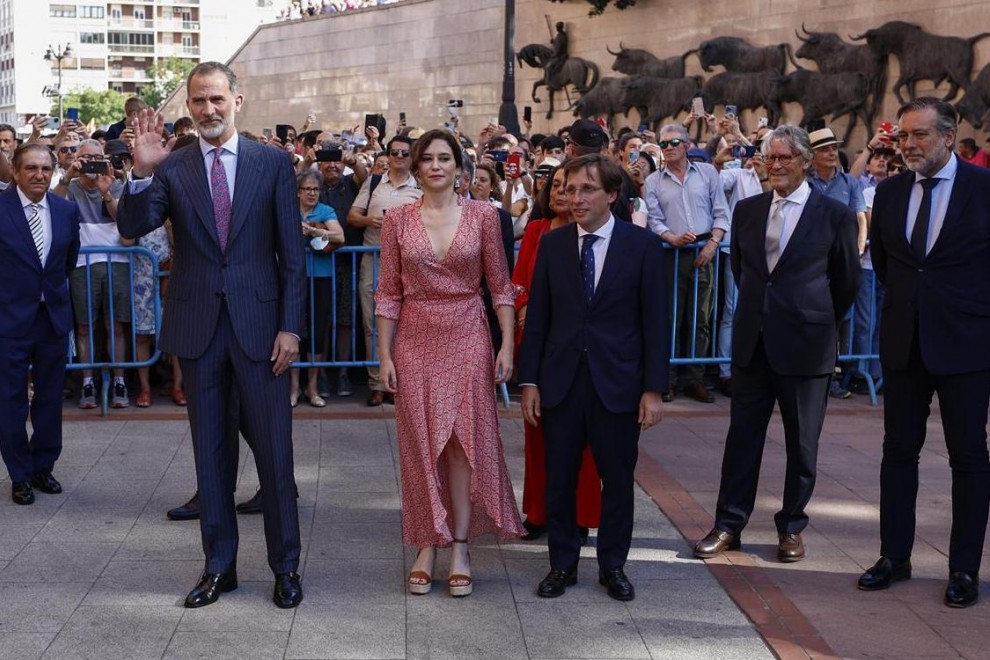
pixel 233 313
pixel 594 360
pixel 930 240
pixel 39 243
pixel 795 259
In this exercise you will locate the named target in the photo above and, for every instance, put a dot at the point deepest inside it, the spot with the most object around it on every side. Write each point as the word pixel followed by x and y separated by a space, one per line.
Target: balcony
pixel 129 74
pixel 131 23
pixel 140 49
pixel 176 25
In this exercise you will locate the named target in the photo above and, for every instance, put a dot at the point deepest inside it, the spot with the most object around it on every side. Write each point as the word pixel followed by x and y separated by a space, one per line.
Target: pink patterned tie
pixel 221 199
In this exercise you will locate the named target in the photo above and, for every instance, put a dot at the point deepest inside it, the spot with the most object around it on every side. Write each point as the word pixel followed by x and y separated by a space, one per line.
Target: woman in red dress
pixel 455 484
pixel 589 494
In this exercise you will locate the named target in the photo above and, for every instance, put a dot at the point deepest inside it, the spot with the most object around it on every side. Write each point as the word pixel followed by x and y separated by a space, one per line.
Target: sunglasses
pixel 67 150
pixel 676 142
pixel 399 153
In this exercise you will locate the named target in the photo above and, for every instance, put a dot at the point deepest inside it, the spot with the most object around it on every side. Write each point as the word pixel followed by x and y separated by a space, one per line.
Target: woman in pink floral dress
pixel 436 356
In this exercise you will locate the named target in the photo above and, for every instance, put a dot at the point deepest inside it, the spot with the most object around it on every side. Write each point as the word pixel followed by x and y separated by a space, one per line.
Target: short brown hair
pixel 423 142
pixel 493 176
pixel 609 173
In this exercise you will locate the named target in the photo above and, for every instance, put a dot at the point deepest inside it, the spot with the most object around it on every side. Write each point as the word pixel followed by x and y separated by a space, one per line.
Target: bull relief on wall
pixel 849 79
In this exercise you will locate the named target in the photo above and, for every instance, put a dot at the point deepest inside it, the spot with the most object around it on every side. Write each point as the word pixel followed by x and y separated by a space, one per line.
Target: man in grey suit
pixel 233 312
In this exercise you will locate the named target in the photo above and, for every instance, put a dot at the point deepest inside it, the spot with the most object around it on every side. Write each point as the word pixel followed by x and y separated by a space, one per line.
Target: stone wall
pixel 415 55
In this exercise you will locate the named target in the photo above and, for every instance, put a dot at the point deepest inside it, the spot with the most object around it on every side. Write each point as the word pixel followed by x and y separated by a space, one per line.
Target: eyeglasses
pixel 676 142
pixel 783 160
pixel 311 191
pixel 583 191
pixel 67 150
pixel 399 153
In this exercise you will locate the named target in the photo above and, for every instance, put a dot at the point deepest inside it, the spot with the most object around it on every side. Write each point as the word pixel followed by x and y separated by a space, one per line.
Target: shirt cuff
pixel 138 186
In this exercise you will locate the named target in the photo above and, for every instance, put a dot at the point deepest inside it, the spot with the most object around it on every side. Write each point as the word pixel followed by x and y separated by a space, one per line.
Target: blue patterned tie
pixel 588 266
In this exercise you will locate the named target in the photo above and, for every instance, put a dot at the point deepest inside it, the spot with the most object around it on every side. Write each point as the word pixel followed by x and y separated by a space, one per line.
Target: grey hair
pixel 306 175
pixel 90 143
pixel 675 128
pixel 206 68
pixel 946 117
pixel 793 136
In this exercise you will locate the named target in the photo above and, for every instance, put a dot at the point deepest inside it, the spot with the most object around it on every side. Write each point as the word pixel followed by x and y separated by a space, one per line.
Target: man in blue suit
pixel 930 239
pixel 233 313
pixel 39 242
pixel 594 360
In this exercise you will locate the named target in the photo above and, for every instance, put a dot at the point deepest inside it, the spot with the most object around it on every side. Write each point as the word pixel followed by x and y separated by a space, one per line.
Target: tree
pixel 103 106
pixel 167 74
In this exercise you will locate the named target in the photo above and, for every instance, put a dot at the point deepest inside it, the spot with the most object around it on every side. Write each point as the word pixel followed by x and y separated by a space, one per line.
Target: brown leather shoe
pixel 698 392
pixel 790 548
pixel 376 398
pixel 715 544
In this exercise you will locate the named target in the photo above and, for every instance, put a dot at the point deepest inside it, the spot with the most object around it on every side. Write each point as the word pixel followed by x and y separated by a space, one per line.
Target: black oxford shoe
pixel 188 511
pixel 716 543
pixel 963 589
pixel 556 583
pixel 21 493
pixel 619 586
pixel 252 505
pixel 884 573
pixel 46 483
pixel 533 531
pixel 288 590
pixel 210 586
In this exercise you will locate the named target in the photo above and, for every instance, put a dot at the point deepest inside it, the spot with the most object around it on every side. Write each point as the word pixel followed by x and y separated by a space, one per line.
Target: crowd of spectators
pixel 684 189
pixel 299 9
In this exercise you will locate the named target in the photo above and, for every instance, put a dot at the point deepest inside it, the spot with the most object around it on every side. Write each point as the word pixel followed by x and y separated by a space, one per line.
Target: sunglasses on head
pixel 676 142
pixel 399 153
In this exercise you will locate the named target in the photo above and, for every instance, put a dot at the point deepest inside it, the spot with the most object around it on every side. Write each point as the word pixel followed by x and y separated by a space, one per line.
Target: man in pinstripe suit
pixel 233 312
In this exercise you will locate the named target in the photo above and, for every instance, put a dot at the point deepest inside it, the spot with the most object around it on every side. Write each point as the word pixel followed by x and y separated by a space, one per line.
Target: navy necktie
pixel 919 235
pixel 588 266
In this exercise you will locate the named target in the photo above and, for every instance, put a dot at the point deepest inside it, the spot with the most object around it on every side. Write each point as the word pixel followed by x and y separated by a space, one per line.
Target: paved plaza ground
pixel 99 572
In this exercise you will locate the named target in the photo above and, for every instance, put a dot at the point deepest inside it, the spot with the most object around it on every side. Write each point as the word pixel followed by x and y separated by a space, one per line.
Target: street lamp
pixel 58 54
pixel 507 114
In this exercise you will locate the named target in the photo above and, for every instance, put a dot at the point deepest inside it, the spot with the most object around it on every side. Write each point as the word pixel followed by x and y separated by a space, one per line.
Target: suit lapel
pixel 903 201
pixel 760 238
pixel 804 226
pixel 614 264
pixel 572 260
pixel 18 220
pixel 196 187
pixel 961 190
pixel 245 185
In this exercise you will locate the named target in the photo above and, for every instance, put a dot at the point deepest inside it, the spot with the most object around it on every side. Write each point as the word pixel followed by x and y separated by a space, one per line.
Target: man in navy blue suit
pixel 233 313
pixel 39 242
pixel 594 360
pixel 930 239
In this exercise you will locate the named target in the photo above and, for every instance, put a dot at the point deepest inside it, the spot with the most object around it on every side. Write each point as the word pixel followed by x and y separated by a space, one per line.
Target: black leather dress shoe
pixel 252 505
pixel 963 589
pixel 716 543
pixel 584 532
pixel 210 586
pixel 556 583
pixel 188 511
pixel 884 573
pixel 46 483
pixel 619 586
pixel 288 590
pixel 21 493
pixel 533 531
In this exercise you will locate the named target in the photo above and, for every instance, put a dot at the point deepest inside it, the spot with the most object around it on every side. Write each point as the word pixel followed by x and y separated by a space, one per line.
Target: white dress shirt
pixel 940 201
pixel 44 213
pixel 600 247
pixel 793 208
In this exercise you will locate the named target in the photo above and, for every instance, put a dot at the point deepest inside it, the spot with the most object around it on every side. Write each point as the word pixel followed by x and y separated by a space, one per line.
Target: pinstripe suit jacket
pixel 261 275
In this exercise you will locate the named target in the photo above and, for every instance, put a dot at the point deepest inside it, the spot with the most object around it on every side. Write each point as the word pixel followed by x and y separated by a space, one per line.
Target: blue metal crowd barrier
pixel 859 361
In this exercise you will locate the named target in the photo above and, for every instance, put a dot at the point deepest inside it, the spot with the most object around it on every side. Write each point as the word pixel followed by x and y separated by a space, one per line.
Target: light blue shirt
pixel 695 205
pixel 229 160
pixel 940 201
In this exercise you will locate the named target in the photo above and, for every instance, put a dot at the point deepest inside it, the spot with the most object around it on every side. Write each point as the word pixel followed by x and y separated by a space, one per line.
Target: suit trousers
pixel 210 382
pixel 366 295
pixel 802 400
pixel 963 402
pixel 582 419
pixel 45 352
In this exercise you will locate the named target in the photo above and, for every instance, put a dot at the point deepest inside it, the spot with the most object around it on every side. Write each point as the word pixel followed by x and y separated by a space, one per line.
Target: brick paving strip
pixel 785 629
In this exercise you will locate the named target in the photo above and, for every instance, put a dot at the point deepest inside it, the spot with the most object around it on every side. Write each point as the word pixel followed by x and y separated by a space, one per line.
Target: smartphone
pixel 402 119
pixel 376 120
pixel 54 123
pixel 642 127
pixel 267 132
pixel 731 111
pixel 170 127
pixel 527 114
pixel 513 165
pixel 499 156
pixel 72 113
pixel 698 106
pixel 633 156
pixel 762 122
pixel 95 167
pixel 888 132
pixel 329 155
pixel 702 237
pixel 282 132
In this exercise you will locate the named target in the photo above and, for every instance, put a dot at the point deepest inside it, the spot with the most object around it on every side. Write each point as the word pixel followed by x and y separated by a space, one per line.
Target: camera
pixel 329 155
pixel 95 167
